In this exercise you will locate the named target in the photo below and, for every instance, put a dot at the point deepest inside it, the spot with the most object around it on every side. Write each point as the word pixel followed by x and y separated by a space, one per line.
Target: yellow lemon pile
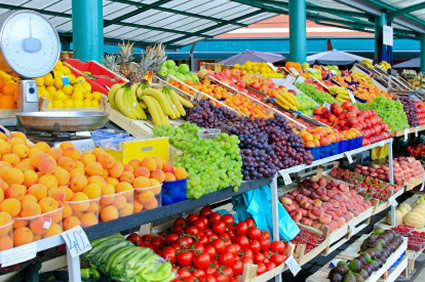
pixel 77 94
pixel 258 68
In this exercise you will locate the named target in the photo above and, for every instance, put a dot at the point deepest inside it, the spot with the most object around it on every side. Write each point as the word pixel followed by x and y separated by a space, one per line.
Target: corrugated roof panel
pixel 162 37
pixel 136 32
pixel 148 17
pixel 120 31
pixel 222 29
pixel 66 27
pixel 58 20
pixel 38 4
pixel 147 1
pixel 110 28
pixel 234 15
pixel 200 9
pixel 189 40
pixel 256 18
pixel 13 2
pixel 64 6
pixel 115 10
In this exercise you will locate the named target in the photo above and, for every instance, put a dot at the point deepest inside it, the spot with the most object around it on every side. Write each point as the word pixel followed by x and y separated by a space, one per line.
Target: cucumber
pixel 96 242
pixel 107 253
pixel 120 253
pixel 161 273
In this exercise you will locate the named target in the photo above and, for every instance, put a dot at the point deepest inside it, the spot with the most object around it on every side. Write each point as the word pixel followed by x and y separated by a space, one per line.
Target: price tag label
pixel 300 79
pixel 406 134
pixel 286 179
pixel 423 183
pixel 349 158
pixel 312 70
pixel 272 66
pixel 293 265
pixel 76 241
pixel 18 254
pixel 333 72
pixel 326 105
pixel 65 80
pixel 416 131
pixel 392 201
pixel 353 228
pixel 294 71
pixel 352 98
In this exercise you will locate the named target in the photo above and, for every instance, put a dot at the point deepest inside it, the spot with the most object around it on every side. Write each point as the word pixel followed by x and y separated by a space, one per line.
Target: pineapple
pixel 110 61
pixel 126 55
pixel 153 58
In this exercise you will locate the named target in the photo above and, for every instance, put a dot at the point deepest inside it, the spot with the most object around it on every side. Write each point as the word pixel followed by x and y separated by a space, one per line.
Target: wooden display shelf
pixel 302 257
pixel 382 274
pixel 381 207
pixel 400 133
pixel 412 183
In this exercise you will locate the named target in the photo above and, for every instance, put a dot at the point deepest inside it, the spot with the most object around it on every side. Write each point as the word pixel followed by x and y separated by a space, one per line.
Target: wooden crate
pixel 302 257
pixel 383 206
pixel 400 133
pixel 413 183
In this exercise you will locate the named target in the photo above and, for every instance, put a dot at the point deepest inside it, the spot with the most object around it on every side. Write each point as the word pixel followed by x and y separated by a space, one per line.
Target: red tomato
pixel 172 238
pixel 278 246
pixel 218 245
pixel 203 239
pixel 270 266
pixel 186 241
pixel 198 274
pixel 265 244
pixel 261 268
pixel 265 234
pixel 180 222
pixel 183 273
pixel 202 261
pixel 259 257
pixel 241 228
pixel 255 246
pixel 219 227
pixel 232 234
pixel 189 279
pixel 277 259
pixel 205 212
pixel 200 224
pixel 215 217
pixel 198 247
pixel 266 253
pixel 184 258
pixel 208 231
pixel 243 241
pixel 192 218
pixel 247 253
pixel 213 237
pixel 210 250
pixel 228 219
pixel 192 230
pixel 209 278
pixel 233 248
pixel 147 238
pixel 237 268
pixel 254 233
pixel 226 258
pixel 178 229
pixel 226 238
pixel 169 254
pixel 157 243
pixel 135 239
pixel 221 278
pixel 228 271
pixel 250 222
pixel 211 270
pixel 247 260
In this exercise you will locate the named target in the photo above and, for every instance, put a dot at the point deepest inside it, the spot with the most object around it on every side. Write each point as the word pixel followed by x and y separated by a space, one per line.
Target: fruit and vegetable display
pixel 321 135
pixel 349 116
pixel 318 96
pixel 340 93
pixel 121 260
pixel 287 101
pixel 416 239
pixel 291 66
pixel 412 216
pixel 358 84
pixel 266 145
pixel 367 186
pixel 305 104
pixel 374 252
pixel 132 100
pixel 211 164
pixel 409 107
pixel 420 108
pixel 181 72
pixel 214 247
pixel 367 63
pixel 390 111
pixel 405 168
pixel 308 238
pixel 417 152
pixel 75 94
pixel 258 68
pixel 323 204
pixel 401 210
pixel 8 91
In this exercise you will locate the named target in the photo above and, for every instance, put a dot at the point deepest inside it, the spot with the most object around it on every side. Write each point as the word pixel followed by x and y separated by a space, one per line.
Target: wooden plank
pixel 400 133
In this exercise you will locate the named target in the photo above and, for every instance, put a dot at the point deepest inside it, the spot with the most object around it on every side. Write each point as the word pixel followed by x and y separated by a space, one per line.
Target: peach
pixel 46 164
pixel 16 191
pixel 149 163
pixel 76 171
pixel 145 196
pixel 167 167
pixel 62 175
pixel 159 162
pixel 82 202
pixel 105 173
pixel 141 171
pixel 112 181
pixel 128 168
pixel 3 185
pixel 158 175
pixel 1 195
pixel 22 236
pixel 55 153
pixel 80 164
pixel 78 183
pixel 127 176
pixel 67 211
pixel 88 219
pixel 123 187
pixel 33 152
pixel 58 194
pixel 137 206
pixel 38 190
pixel 93 207
pixel 49 180
pixel 29 198
pixel 71 152
pixel 29 209
pixel 141 182
pixel 169 177
pixel 116 170
pixel 11 158
pixel 97 179
pixel 15 141
pixel 134 163
pixel 25 165
pixel 48 204
pixel 21 150
pixel 12 175
pixel 5 242
pixel 93 191
pixel 126 210
pixel 152 204
pixel 154 182
pixel 66 163
pixel 109 213
pixel 119 201
pixel 43 146
pixel 68 193
pixel 3 136
pixel 30 178
pixel 5 147
pixel 87 157
pixel 325 218
pixel 5 219
pixel 106 160
pixel 108 190
pixel 97 151
pixel 54 229
pixel 94 168
pixel 70 222
pixel 180 172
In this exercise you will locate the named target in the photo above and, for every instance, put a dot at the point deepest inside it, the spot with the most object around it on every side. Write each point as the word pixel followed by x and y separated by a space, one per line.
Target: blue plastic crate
pixel 334 148
pixel 325 151
pixel 315 151
pixel 173 191
pixel 344 146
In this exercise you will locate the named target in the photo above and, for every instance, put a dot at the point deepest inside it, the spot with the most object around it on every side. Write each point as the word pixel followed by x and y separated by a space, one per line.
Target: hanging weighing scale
pixel 30 48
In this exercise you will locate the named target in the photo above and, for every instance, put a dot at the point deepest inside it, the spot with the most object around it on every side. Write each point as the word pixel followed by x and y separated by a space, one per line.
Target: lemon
pixel 42 91
pixel 60 95
pixel 78 104
pixel 71 78
pixel 40 81
pixel 68 89
pixel 58 82
pixel 97 95
pixel 87 86
pixel 237 66
pixel 51 90
pixel 77 95
pixel 48 80
pixel 80 79
pixel 95 103
pixel 69 103
pixel 58 64
pixel 58 104
pixel 65 70
pixel 87 103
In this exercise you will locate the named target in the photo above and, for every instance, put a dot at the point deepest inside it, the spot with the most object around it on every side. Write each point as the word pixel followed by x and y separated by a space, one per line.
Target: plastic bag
pixel 257 204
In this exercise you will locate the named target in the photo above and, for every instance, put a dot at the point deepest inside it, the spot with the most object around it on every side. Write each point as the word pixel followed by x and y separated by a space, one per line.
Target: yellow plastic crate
pixel 140 149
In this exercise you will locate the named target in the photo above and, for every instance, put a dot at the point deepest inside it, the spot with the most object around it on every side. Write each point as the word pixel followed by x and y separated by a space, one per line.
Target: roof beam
pixel 184 13
pixel 407 10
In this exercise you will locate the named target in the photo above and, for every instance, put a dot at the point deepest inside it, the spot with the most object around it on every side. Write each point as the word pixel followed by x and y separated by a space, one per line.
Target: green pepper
pixel 85 273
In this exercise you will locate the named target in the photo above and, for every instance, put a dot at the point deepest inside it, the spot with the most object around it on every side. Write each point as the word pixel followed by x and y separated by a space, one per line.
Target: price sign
pixel 423 183
pixel 333 72
pixel 300 79
pixel 65 80
pixel 349 158
pixel 286 179
pixel 352 98
pixel 326 105
pixel 312 70
pixel 18 254
pixel 406 134
pixel 272 66
pixel 294 71
pixel 76 241
pixel 392 201
pixel 293 265
pixel 416 131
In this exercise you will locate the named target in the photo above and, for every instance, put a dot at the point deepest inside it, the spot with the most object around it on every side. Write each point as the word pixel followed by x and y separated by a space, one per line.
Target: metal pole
pixel 380 21
pixel 73 267
pixel 423 53
pixel 391 166
pixel 87 29
pixel 192 59
pixel 275 215
pixel 297 31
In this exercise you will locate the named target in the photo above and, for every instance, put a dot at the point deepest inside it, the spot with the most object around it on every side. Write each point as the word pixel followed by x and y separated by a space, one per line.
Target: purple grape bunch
pixel 267 145
pixel 411 110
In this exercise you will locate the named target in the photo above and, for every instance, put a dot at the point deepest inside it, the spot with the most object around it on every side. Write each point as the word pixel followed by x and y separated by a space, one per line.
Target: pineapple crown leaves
pixel 110 61
pixel 153 58
pixel 126 52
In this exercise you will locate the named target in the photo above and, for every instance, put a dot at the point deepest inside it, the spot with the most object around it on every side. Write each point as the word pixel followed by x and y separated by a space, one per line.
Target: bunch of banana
pixel 361 76
pixel 384 65
pixel 340 93
pixel 287 101
pixel 366 63
pixel 124 99
pixel 420 199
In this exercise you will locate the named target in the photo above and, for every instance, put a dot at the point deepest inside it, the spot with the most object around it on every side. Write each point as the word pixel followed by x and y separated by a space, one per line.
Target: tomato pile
pixel 211 247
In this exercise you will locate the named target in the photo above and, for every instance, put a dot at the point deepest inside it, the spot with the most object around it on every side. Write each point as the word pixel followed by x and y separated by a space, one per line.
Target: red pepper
pixel 135 239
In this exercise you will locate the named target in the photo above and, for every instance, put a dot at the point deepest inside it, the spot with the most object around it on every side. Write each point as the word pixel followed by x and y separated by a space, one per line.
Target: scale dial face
pixel 29 44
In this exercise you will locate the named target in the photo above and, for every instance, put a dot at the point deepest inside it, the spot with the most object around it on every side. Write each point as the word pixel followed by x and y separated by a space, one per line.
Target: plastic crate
pixel 173 191
pixel 95 69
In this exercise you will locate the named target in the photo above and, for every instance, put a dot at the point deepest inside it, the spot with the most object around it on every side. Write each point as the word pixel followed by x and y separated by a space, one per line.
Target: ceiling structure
pixel 179 23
